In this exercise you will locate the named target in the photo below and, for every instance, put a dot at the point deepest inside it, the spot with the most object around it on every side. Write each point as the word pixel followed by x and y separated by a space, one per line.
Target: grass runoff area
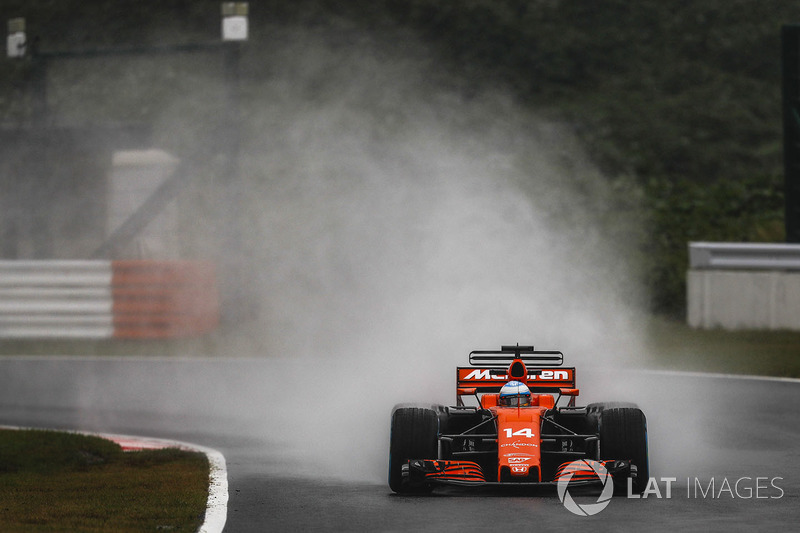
pixel 56 481
pixel 675 346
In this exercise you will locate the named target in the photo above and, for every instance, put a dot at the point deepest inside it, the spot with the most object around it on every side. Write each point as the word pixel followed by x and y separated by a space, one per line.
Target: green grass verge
pixel 676 346
pixel 55 481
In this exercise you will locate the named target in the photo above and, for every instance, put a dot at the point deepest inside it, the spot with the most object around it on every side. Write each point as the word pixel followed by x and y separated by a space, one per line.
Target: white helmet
pixel 515 394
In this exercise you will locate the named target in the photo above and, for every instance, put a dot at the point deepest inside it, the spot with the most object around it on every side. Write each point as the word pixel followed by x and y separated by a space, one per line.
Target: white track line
pixel 217 503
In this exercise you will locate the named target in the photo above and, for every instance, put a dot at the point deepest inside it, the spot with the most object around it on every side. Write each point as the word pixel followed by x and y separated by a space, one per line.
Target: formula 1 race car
pixel 516 432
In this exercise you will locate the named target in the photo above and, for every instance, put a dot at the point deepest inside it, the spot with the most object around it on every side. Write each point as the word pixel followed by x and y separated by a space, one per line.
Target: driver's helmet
pixel 515 394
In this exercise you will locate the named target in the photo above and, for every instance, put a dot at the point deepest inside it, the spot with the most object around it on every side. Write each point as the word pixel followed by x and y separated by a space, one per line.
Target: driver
pixel 515 394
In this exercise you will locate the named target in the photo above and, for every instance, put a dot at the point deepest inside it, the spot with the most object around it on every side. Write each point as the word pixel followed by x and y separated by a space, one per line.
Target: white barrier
pixel 743 286
pixel 744 256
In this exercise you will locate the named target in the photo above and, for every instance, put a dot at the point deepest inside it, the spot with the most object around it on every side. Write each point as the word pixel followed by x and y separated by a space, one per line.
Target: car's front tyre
pixel 413 436
pixel 623 435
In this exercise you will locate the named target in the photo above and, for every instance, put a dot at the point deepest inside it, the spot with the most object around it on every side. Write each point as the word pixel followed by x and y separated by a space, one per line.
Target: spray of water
pixel 396 218
pixel 396 225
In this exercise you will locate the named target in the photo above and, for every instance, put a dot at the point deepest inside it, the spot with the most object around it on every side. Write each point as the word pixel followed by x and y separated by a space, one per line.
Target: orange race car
pixel 515 431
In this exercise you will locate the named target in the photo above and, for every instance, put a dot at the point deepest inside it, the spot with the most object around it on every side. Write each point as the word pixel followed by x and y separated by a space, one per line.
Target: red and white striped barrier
pixel 107 299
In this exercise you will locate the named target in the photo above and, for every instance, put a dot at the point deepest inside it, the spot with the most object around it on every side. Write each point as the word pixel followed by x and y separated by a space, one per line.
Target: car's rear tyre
pixel 414 436
pixel 623 435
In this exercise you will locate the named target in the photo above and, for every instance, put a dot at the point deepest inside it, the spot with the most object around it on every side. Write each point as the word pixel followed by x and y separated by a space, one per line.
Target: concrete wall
pixel 135 176
pixel 744 286
pixel 743 299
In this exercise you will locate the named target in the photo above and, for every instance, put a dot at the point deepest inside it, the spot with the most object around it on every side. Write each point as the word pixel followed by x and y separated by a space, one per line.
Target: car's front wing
pixel 419 472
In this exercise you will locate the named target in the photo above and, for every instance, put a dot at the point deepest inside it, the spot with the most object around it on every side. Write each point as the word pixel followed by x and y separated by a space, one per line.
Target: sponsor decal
pixel 556 375
pixel 519 444
pixel 545 375
pixel 520 469
pixel 518 459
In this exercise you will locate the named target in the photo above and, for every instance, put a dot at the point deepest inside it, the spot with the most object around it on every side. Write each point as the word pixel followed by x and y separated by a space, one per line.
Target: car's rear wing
pixel 492 379
pixel 507 354
pixel 540 370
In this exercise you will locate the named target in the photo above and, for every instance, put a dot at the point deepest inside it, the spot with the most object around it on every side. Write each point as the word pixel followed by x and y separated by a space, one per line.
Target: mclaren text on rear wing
pixel 492 379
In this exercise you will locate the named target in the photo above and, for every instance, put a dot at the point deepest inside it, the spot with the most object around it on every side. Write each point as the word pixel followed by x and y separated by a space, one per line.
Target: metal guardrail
pixel 105 299
pixel 744 256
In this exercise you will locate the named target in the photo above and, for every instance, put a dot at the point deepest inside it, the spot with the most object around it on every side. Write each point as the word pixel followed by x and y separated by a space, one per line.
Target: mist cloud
pixel 397 222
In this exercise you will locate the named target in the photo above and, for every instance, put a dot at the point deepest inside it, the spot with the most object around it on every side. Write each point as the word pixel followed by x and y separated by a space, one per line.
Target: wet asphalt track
pixel 742 429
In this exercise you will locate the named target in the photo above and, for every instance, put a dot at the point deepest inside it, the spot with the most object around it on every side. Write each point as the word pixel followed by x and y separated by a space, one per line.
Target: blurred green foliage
pixel 678 102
